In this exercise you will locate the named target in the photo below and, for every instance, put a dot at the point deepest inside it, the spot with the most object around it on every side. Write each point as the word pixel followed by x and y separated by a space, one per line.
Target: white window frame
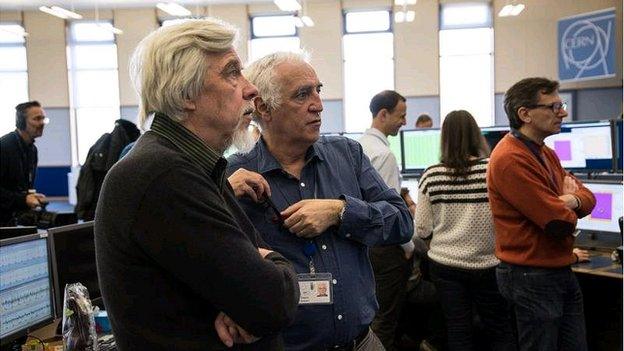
pixel 254 39
pixel 356 113
pixel 9 110
pixel 480 26
pixel 75 106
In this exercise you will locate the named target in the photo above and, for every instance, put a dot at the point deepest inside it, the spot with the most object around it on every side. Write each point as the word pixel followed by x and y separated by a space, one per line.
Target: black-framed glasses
pixel 276 216
pixel 556 107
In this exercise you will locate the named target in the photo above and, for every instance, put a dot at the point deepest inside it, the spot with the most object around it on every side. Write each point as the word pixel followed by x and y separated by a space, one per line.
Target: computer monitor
pixel 604 217
pixel 494 134
pixel 421 149
pixel 26 301
pixel 584 146
pixel 12 232
pixel 395 147
pixel 72 249
pixel 619 140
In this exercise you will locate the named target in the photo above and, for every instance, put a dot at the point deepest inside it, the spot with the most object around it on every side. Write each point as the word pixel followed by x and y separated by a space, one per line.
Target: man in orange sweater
pixel 536 204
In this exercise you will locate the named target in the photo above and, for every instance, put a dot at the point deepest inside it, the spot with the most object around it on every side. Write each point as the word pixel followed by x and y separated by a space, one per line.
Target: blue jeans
pixel 548 304
pixel 461 289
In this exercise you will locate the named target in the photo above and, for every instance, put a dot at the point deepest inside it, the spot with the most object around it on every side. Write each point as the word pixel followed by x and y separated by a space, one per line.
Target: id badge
pixel 315 289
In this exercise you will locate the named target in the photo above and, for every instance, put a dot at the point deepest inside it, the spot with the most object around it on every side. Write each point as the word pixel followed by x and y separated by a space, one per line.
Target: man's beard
pixel 243 140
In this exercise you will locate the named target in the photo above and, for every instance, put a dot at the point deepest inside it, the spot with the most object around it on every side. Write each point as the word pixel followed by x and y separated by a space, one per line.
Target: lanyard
pixel 309 248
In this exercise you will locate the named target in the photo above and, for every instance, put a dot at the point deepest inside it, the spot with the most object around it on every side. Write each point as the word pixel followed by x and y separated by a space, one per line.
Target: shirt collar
pixel 378 134
pixel 533 146
pixel 191 145
pixel 267 162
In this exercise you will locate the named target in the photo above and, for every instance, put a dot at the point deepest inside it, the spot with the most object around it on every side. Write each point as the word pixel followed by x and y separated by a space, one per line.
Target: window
pixel 467 60
pixel 368 53
pixel 273 33
pixel 13 74
pixel 94 81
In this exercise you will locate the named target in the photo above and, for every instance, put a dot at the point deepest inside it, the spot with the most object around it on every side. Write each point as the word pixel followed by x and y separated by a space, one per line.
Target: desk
pixel 600 264
pixel 601 283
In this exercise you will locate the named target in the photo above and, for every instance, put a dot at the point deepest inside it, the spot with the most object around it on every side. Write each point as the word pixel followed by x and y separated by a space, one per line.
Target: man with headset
pixel 18 162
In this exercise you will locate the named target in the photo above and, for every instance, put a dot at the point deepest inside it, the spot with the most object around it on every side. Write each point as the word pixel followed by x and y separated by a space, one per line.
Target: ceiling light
pixel 399 17
pixel 52 12
pixel 173 9
pixel 511 10
pixel 517 9
pixel 69 14
pixel 15 29
pixel 307 20
pixel 404 2
pixel 410 16
pixel 298 22
pixel 506 10
pixel 288 5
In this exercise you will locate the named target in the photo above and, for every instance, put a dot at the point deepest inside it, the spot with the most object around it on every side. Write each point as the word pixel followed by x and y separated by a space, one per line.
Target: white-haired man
pixel 178 260
pixel 332 206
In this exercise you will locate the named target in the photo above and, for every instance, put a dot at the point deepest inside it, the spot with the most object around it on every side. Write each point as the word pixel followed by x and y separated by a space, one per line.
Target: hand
pixel 264 252
pixel 569 185
pixel 408 251
pixel 249 183
pixel 411 205
pixel 229 332
pixel 569 201
pixel 35 200
pixel 583 255
pixel 310 218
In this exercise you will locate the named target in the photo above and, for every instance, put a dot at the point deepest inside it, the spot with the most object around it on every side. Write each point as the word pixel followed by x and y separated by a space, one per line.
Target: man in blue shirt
pixel 332 207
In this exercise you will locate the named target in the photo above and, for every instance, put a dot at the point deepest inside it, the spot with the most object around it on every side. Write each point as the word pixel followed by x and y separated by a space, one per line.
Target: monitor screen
pixel 604 217
pixel 73 259
pixel 25 286
pixel 585 146
pixel 494 134
pixel 12 232
pixel 421 149
pixel 618 145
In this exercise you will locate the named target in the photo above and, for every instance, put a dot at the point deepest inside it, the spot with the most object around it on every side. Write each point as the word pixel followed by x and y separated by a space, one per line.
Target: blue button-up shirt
pixel 375 215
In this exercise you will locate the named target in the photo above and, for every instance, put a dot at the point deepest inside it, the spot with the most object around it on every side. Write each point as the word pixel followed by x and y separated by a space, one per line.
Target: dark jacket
pixel 101 157
pixel 18 166
pixel 173 249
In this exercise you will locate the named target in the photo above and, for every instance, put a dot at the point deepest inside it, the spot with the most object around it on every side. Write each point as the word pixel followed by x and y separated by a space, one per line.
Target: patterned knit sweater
pixel 456 212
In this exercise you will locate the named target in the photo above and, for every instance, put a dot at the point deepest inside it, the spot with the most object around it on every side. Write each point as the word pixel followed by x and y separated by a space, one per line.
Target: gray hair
pixel 168 66
pixel 261 73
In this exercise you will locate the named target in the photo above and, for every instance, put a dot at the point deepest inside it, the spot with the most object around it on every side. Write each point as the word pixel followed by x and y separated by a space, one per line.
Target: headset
pixel 20 113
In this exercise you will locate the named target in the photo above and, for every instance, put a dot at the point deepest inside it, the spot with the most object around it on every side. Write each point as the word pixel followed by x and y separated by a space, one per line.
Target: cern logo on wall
pixel 587 46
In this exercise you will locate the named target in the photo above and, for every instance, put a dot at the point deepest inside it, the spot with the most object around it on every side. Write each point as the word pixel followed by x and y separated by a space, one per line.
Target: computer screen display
pixel 421 149
pixel 494 134
pixel 604 217
pixel 618 145
pixel 73 259
pixel 585 146
pixel 25 286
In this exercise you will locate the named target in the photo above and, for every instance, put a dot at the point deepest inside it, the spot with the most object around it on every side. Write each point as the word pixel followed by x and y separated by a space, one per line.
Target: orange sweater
pixel 533 226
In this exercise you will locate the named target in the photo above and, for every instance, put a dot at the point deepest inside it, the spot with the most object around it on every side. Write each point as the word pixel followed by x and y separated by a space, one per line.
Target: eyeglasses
pixel 276 216
pixel 555 107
